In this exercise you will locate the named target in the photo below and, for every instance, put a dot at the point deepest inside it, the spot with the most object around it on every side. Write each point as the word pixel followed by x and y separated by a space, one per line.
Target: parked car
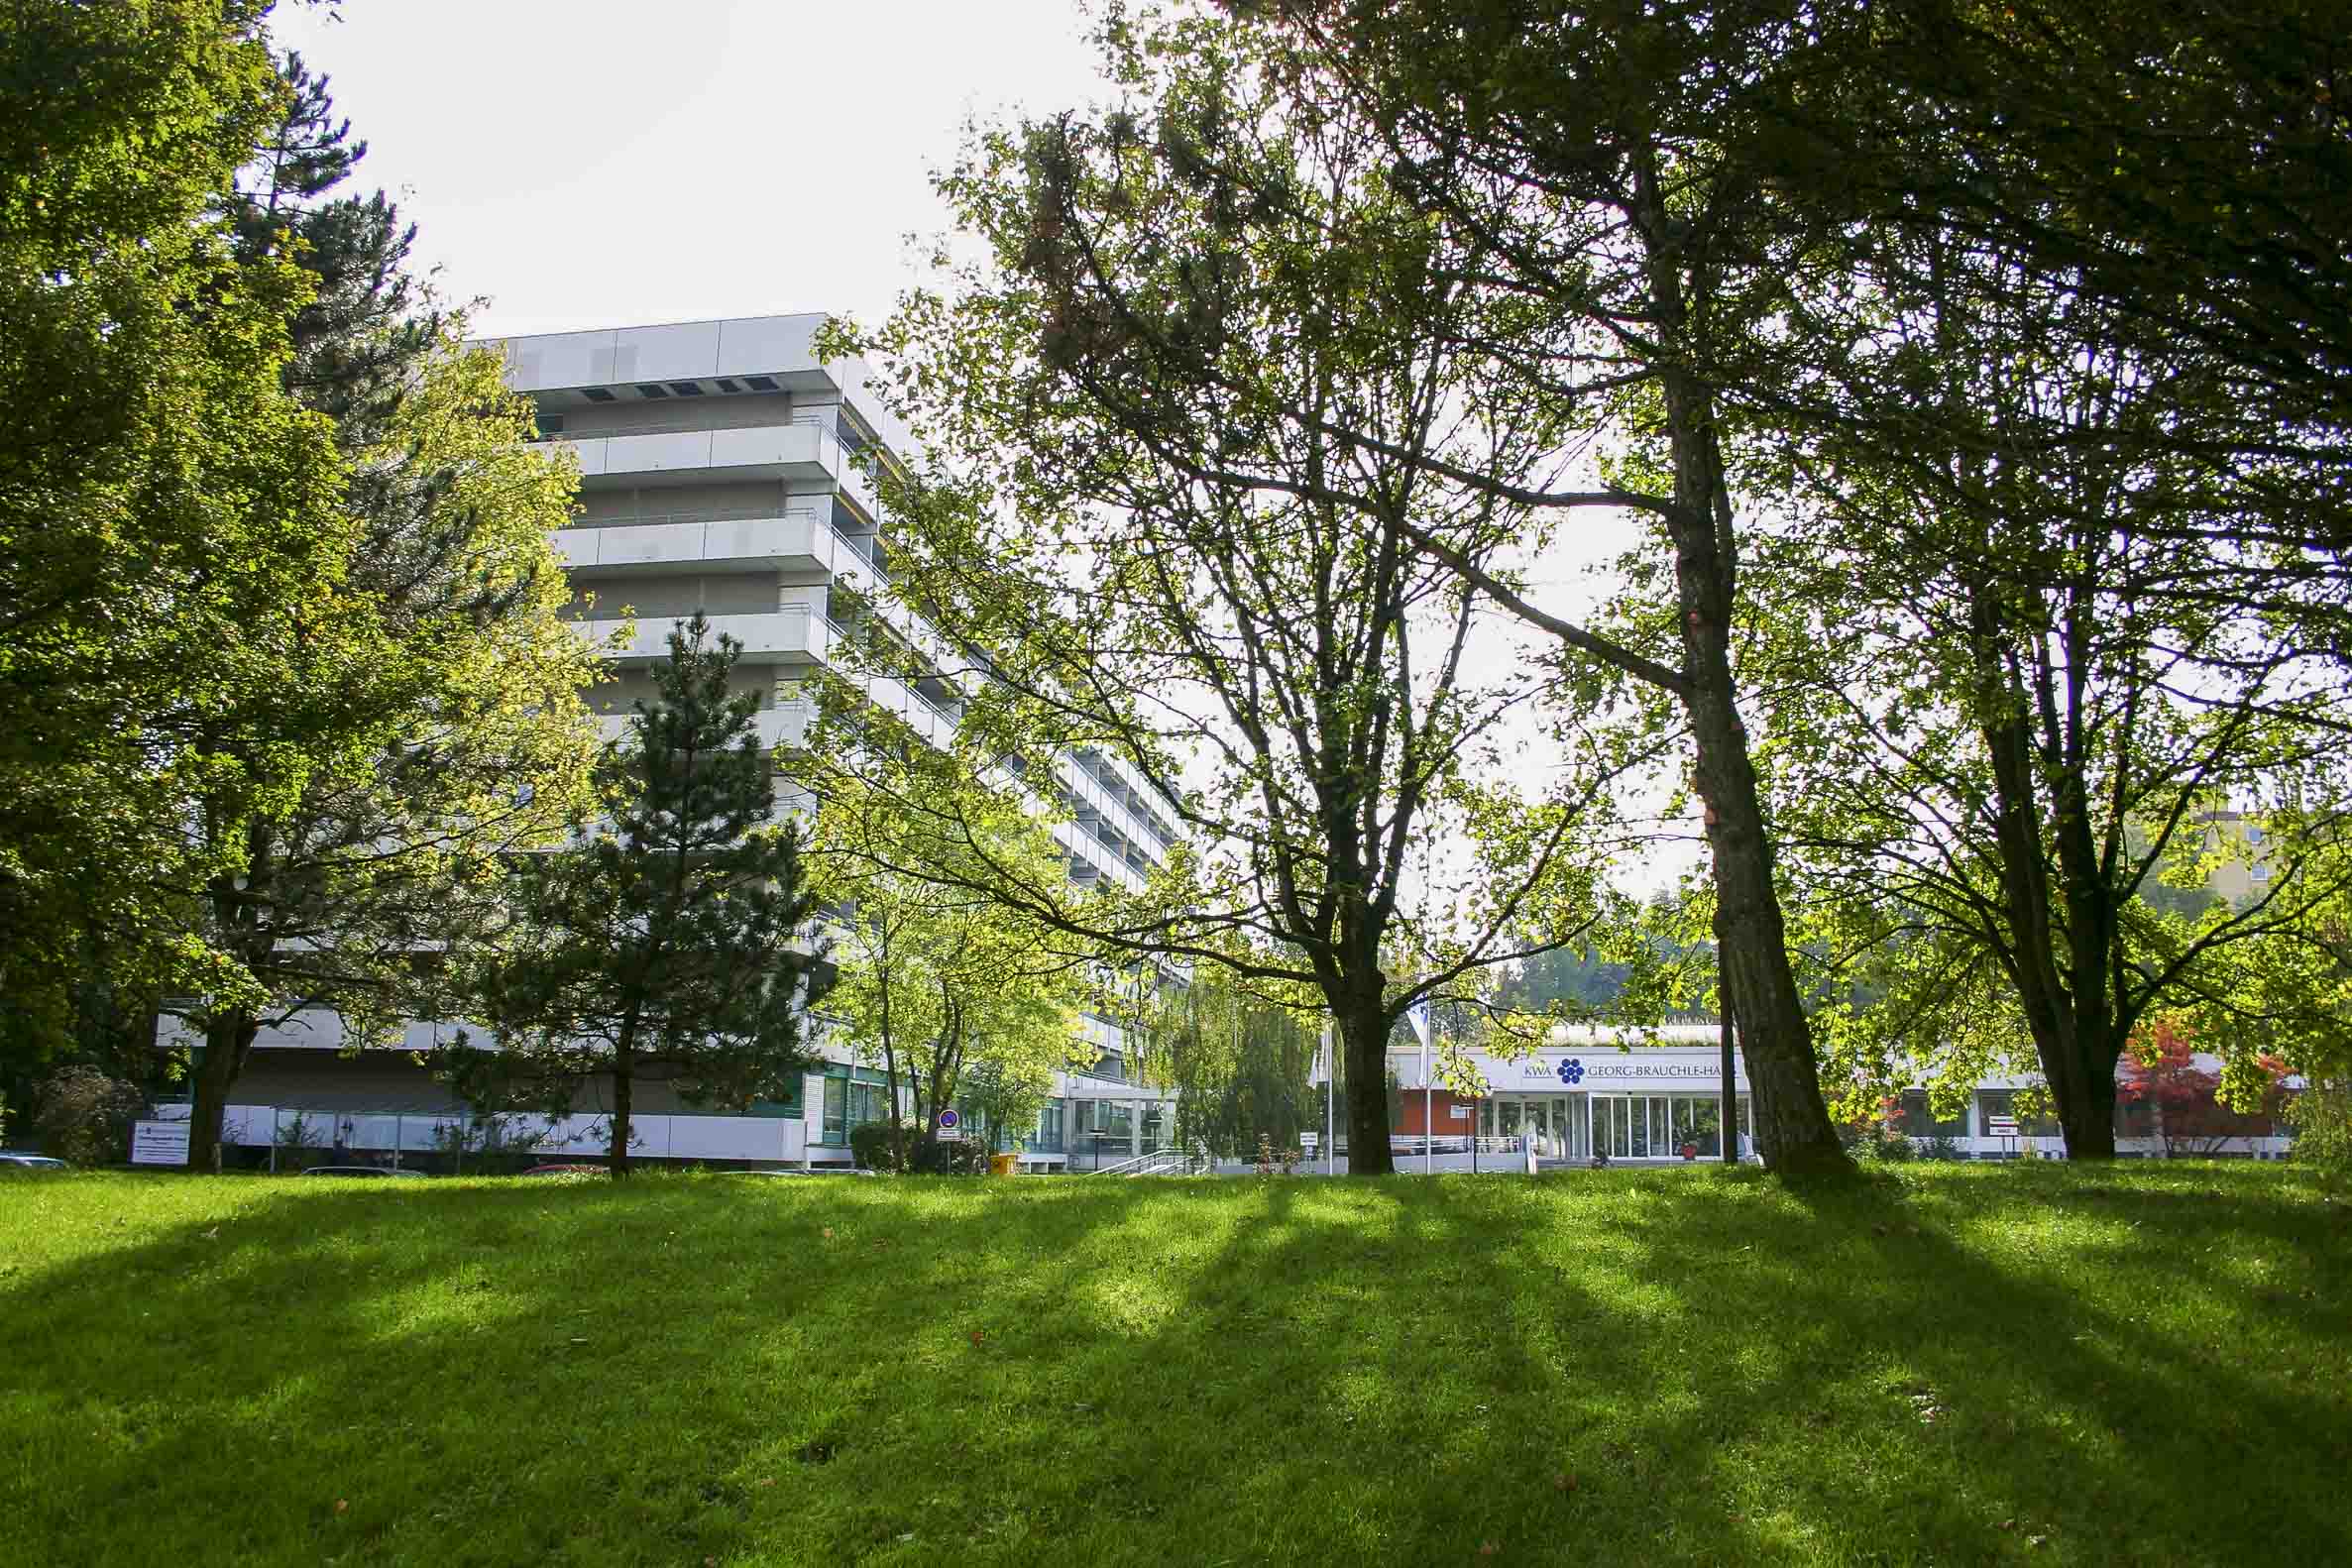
pixel 361 1171
pixel 25 1160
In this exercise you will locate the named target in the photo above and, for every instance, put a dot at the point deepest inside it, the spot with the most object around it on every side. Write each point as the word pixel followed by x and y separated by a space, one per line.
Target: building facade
pixel 724 470
pixel 1657 1099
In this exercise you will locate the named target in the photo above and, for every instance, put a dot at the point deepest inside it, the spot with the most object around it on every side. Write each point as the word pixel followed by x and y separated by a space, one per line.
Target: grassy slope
pixel 1960 1365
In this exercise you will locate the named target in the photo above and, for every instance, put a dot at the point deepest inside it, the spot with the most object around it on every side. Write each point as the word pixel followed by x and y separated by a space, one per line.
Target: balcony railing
pixel 788 632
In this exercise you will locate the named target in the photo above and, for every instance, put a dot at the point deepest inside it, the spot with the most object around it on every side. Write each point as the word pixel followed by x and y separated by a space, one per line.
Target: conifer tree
pixel 661 944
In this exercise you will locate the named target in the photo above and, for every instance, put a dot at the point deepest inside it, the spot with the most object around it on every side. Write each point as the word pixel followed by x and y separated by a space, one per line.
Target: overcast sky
pixel 594 163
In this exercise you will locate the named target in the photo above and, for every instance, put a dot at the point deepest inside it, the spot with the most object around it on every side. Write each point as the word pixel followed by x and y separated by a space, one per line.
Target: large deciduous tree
pixel 1235 575
pixel 162 496
pixel 665 943
pixel 433 724
pixel 2024 641
pixel 1538 220
pixel 437 730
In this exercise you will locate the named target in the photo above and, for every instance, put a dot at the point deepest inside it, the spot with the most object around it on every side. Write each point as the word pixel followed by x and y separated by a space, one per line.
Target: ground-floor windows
pixel 852 1097
pixel 1554 1125
pixel 1048 1138
pixel 1661 1126
pixel 1998 1117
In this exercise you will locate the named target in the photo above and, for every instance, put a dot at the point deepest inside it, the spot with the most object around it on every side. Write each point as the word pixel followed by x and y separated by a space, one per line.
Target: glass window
pixel 786 1107
pixel 1155 1124
pixel 836 1102
pixel 1638 1110
pixel 1998 1117
pixel 1918 1118
pixel 1486 1118
pixel 1049 1128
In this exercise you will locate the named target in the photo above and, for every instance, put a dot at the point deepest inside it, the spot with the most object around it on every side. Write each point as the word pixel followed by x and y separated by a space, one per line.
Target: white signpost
pixel 159 1143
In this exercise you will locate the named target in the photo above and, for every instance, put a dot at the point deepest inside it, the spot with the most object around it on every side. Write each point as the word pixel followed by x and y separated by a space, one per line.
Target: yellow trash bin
pixel 1002 1164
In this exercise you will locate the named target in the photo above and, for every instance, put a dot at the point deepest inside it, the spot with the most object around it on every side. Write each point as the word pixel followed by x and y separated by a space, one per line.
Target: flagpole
pixel 1428 1110
pixel 1330 1105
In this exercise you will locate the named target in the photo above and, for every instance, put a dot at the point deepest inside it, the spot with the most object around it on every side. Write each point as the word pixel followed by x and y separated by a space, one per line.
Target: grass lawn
pixel 1952 1365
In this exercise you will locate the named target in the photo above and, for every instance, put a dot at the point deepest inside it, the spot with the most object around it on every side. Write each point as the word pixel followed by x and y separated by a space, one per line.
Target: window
pixel 1698 1123
pixel 852 1097
pixel 1918 1118
pixel 1049 1128
pixel 1998 1117
pixel 788 1108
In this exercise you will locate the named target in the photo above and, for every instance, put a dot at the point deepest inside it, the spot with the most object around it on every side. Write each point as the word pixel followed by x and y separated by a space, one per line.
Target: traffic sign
pixel 948 1120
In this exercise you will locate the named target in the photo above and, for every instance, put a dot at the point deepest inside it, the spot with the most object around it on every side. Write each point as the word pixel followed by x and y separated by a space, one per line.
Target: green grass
pixel 1952 1365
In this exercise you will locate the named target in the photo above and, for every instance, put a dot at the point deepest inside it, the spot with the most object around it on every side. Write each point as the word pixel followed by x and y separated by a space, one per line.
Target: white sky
pixel 597 164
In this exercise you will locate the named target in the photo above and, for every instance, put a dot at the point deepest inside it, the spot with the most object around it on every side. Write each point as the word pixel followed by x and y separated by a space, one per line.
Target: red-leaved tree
pixel 2185 1112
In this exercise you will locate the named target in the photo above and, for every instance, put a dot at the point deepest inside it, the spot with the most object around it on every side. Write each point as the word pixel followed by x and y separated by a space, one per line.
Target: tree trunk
pixel 2072 1024
pixel 1364 1031
pixel 898 1124
pixel 1792 1121
pixel 2083 1084
pixel 623 1084
pixel 228 1042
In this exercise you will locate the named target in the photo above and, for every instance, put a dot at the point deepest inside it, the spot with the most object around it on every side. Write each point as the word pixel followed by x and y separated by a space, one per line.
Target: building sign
pixel 158 1143
pixel 1712 1071
pixel 1654 1070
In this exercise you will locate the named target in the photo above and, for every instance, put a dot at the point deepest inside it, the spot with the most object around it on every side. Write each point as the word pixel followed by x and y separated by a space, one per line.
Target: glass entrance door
pixel 1568 1120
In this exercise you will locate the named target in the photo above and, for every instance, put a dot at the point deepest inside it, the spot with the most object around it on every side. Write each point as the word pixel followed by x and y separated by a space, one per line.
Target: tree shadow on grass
pixel 1668 1367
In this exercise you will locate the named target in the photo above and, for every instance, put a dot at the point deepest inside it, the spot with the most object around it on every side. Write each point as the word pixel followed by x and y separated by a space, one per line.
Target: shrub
pixel 869 1146
pixel 85 1116
pixel 2321 1116
pixel 948 1157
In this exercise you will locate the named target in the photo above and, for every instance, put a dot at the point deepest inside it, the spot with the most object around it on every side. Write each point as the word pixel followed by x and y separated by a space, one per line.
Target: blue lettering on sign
pixel 1571 1071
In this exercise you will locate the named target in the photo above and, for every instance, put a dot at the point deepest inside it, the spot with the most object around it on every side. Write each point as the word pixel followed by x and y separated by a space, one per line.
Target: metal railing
pixel 659 520
pixel 1160 1162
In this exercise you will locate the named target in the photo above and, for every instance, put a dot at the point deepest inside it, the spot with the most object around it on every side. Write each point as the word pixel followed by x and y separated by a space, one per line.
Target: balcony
pixel 786 725
pixel 799 541
pixel 791 636
pixel 795 453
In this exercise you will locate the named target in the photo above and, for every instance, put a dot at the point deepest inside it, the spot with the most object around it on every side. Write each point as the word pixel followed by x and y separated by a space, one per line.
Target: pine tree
pixel 661 944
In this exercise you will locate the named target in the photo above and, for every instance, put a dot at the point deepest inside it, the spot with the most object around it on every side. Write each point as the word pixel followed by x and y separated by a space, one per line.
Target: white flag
pixel 1417 1015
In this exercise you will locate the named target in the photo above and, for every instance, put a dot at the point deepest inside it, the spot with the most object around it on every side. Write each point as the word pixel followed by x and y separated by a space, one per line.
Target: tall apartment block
pixel 721 471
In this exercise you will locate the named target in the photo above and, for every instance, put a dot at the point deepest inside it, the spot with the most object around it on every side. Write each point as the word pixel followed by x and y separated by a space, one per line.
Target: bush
pixel 948 1157
pixel 2321 1116
pixel 1879 1142
pixel 869 1146
pixel 85 1116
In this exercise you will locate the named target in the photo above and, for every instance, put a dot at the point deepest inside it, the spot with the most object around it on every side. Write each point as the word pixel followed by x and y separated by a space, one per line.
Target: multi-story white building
pixel 723 469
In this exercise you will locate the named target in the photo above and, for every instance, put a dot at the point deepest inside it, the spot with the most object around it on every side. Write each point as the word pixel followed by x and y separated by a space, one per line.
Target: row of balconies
pixel 801 541
pixel 796 453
